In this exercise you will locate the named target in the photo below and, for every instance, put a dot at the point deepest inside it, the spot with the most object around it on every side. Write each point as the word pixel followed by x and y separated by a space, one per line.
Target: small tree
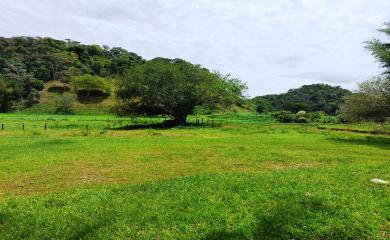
pixel 91 86
pixel 65 104
pixel 175 87
pixel 370 103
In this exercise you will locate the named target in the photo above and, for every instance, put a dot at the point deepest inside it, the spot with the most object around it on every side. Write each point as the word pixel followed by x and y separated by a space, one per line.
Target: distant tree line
pixel 310 98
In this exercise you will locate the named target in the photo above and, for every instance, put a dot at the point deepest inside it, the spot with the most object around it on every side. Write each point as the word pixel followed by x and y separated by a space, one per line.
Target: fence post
pixel 45 126
pixel 2 127
pixel 67 127
pixel 23 126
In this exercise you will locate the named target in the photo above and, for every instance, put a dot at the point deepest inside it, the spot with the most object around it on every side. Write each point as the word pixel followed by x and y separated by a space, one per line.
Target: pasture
pixel 245 177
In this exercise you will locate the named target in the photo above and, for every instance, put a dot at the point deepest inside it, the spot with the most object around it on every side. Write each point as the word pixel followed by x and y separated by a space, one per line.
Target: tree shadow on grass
pixel 306 218
pixel 375 141
pixel 160 126
pixel 143 126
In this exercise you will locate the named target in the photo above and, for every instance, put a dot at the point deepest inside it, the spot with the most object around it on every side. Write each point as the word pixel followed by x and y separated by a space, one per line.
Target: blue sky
pixel 271 45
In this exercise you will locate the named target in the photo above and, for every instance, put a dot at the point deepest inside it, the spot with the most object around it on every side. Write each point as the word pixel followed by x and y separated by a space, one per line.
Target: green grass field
pixel 245 178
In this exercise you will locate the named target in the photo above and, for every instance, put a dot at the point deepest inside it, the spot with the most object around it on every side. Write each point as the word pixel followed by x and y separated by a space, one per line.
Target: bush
pixel 283 116
pixel 302 114
pixel 302 120
pixel 300 117
pixel 65 105
pixel 91 84
pixel 315 116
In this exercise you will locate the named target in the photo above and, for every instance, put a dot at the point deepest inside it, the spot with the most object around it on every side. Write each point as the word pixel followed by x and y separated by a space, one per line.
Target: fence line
pixel 109 126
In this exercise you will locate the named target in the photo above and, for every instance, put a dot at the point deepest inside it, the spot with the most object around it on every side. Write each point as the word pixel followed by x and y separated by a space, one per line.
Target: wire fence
pixel 93 123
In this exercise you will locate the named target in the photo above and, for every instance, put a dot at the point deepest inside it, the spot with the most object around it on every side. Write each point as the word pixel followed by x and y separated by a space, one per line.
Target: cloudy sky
pixel 271 45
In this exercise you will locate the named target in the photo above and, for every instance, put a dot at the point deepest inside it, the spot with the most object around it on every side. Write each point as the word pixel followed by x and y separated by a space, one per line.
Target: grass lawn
pixel 241 180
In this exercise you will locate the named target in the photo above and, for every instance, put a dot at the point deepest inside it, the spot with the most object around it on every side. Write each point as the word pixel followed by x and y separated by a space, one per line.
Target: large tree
pixel 175 87
pixel 381 50
pixel 370 103
pixel 372 100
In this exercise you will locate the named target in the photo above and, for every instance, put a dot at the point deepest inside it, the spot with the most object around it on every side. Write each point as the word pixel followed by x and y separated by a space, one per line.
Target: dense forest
pixel 315 97
pixel 26 63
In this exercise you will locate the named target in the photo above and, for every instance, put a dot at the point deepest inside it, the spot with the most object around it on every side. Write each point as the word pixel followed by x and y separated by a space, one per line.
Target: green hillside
pixel 28 64
pixel 51 99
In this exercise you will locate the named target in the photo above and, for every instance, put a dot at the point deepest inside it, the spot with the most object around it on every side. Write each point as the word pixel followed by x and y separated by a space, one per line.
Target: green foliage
pixel 300 117
pixel 381 50
pixel 89 83
pixel 262 105
pixel 283 116
pixel 302 114
pixel 370 103
pixel 316 97
pixel 27 62
pixel 175 87
pixel 315 116
pixel 65 105
pixel 372 100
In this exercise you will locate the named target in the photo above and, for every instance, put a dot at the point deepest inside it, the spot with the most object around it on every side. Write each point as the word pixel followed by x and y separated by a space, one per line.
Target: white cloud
pixel 255 40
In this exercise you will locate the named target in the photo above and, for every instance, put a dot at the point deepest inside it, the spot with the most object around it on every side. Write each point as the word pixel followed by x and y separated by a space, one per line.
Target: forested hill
pixel 26 63
pixel 315 97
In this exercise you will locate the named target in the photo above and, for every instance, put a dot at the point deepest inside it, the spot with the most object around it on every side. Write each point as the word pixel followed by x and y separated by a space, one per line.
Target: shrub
pixel 302 120
pixel 283 116
pixel 91 85
pixel 315 116
pixel 302 114
pixel 65 105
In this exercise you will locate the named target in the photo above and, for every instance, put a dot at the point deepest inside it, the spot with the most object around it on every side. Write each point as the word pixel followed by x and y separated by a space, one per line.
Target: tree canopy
pixel 89 83
pixel 381 50
pixel 315 97
pixel 175 87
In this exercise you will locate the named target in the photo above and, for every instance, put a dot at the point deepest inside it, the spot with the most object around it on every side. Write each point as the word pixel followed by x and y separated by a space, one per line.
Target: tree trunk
pixel 180 120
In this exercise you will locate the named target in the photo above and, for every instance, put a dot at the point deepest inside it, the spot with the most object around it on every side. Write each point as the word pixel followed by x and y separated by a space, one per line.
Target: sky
pixel 272 45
